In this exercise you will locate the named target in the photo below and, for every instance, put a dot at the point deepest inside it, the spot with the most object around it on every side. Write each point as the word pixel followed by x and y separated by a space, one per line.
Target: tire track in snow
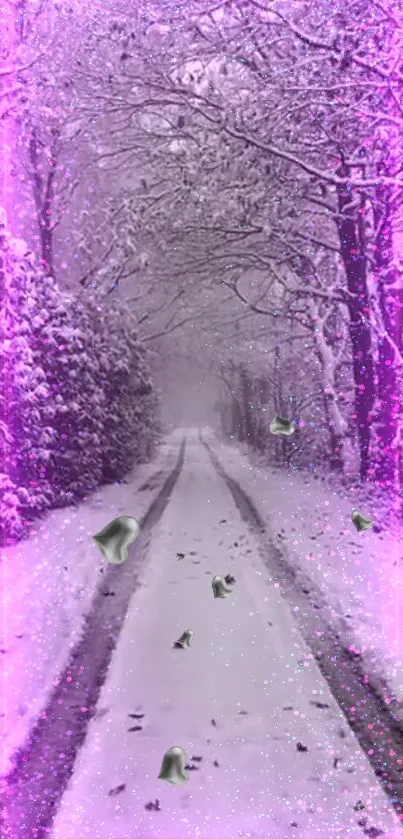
pixel 44 765
pixel 358 697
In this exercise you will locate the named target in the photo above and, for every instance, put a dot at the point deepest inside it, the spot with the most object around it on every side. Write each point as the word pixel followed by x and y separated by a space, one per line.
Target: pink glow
pixel 392 612
pixel 391 605
pixel 7 27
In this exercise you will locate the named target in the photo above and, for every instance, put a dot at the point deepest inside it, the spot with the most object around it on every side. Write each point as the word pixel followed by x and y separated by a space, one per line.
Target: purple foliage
pixel 77 405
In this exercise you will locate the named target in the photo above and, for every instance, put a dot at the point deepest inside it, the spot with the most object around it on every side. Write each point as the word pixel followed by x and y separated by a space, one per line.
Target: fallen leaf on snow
pixel 117 790
pixel 301 748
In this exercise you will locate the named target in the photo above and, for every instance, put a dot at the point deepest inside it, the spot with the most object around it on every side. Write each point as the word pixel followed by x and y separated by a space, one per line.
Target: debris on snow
pixel 301 748
pixel 153 805
pixel 117 790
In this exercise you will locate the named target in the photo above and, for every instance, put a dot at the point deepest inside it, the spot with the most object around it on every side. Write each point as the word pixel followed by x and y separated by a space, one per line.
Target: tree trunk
pixel 43 197
pixel 388 417
pixel 246 392
pixel 340 445
pixel 263 395
pixel 353 254
pixel 46 237
pixel 237 420
pixel 278 404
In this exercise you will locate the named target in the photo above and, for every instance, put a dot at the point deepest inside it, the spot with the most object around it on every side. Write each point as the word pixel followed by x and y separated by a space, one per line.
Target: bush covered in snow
pixel 77 406
pixel 130 406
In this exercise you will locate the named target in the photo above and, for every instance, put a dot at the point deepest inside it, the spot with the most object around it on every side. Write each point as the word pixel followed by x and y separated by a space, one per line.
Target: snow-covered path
pixel 278 759
pixel 48 583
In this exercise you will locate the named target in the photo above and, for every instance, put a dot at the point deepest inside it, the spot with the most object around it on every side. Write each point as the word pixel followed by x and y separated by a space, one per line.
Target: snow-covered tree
pixel 53 154
pixel 264 138
pixel 64 346
pixel 301 87
pixel 26 437
pixel 77 406
pixel 266 381
pixel 130 425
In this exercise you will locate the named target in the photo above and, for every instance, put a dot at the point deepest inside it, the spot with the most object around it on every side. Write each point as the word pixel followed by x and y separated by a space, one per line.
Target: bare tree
pixel 314 100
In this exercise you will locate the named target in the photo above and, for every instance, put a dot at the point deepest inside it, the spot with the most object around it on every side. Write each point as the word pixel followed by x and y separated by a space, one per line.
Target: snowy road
pixel 278 759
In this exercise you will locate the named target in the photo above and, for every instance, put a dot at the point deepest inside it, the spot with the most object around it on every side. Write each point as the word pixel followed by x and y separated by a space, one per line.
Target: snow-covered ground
pixel 272 754
pixel 48 582
pixel 360 574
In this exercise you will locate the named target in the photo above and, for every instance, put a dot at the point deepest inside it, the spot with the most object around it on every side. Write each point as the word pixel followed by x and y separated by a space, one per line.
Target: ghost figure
pixel 184 640
pixel 282 426
pixel 360 521
pixel 220 588
pixel 173 767
pixel 114 540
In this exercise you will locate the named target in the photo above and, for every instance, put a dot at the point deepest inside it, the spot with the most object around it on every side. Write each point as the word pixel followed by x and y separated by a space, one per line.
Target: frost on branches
pixel 77 405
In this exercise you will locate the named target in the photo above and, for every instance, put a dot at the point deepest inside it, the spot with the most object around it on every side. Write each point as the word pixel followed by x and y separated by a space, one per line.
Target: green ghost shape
pixel 173 767
pixel 220 588
pixel 279 425
pixel 185 639
pixel 114 540
pixel 360 521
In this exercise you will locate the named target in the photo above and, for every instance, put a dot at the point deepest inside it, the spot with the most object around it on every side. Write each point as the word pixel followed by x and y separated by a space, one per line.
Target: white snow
pixel 248 669
pixel 360 574
pixel 48 582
